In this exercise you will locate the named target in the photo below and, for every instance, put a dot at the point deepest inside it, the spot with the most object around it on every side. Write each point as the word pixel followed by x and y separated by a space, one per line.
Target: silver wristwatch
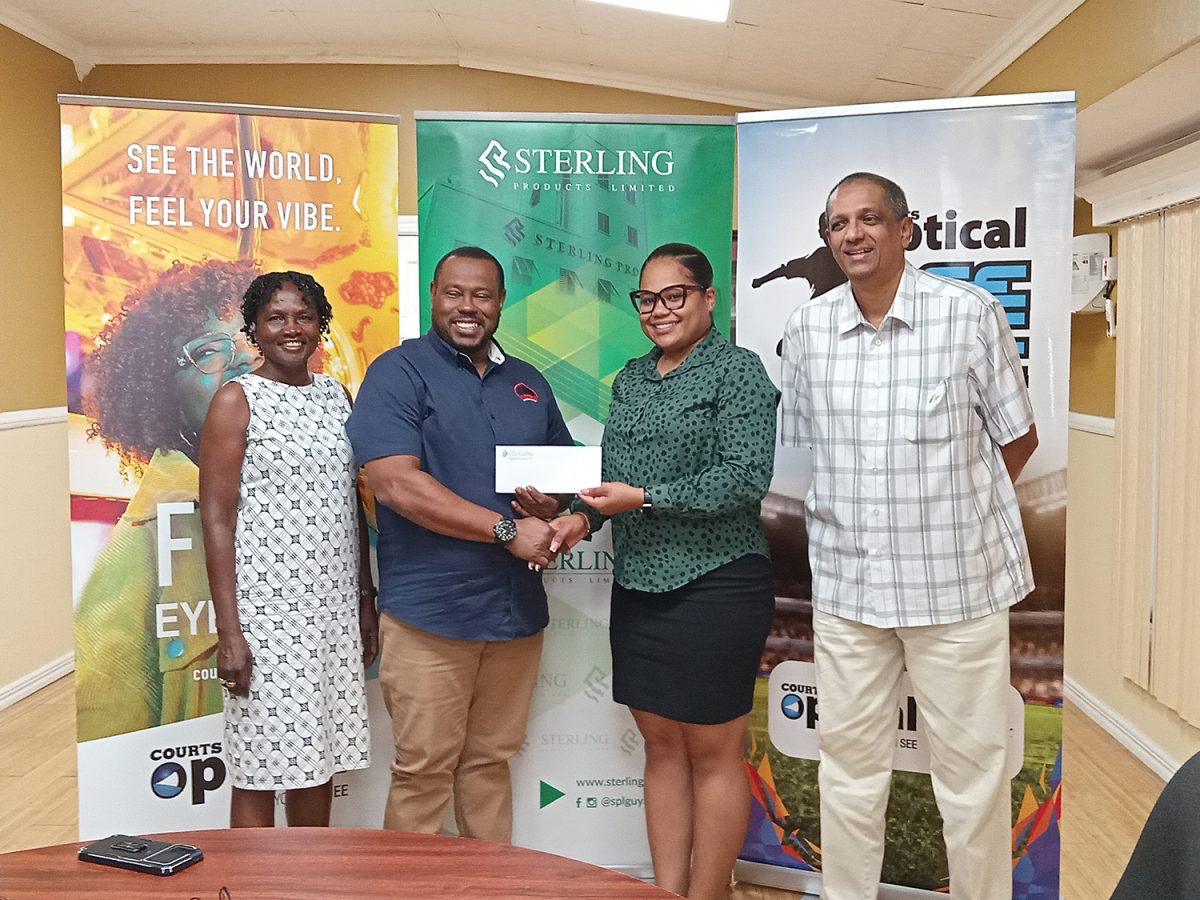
pixel 504 531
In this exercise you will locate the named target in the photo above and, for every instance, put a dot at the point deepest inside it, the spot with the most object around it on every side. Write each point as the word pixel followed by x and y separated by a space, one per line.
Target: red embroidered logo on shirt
pixel 525 392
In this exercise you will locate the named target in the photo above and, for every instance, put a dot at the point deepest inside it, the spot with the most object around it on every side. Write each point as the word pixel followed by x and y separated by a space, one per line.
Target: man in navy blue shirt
pixel 461 599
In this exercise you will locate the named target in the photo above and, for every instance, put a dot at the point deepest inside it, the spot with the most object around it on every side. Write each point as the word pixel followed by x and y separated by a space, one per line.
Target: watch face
pixel 504 530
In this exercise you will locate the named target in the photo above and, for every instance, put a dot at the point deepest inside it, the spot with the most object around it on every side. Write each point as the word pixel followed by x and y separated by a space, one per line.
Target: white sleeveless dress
pixel 296 550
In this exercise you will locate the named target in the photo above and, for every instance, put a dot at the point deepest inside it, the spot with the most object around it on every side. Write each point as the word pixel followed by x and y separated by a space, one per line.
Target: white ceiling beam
pixel 22 23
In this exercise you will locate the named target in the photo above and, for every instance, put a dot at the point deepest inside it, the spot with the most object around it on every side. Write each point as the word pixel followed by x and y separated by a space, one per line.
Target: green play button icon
pixel 549 793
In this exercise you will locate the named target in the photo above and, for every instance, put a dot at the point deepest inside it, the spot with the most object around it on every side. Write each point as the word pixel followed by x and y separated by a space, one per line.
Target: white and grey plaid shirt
pixel 912 518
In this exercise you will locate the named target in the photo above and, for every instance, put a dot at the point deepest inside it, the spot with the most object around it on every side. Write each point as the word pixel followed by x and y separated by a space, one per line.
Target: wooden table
pixel 324 863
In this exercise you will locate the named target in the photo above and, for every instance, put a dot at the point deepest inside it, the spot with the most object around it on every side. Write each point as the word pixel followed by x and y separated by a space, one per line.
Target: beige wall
pixel 31 342
pixel 1101 46
pixel 1093 352
pixel 35 600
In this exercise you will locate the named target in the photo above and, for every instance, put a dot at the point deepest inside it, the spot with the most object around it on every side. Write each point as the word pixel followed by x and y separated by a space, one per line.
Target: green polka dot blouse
pixel 701 441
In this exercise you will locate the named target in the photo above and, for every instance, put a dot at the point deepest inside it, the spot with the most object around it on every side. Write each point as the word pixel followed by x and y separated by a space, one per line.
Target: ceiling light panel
pixel 708 10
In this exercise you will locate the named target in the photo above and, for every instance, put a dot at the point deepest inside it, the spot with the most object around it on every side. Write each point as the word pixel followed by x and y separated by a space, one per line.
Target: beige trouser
pixel 458 712
pixel 960 675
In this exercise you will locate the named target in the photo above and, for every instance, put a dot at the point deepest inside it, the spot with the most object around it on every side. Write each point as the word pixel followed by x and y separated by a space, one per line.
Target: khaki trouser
pixel 960 676
pixel 458 712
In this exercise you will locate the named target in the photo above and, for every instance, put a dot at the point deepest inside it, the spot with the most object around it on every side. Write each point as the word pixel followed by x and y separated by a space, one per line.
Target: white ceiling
pixel 770 54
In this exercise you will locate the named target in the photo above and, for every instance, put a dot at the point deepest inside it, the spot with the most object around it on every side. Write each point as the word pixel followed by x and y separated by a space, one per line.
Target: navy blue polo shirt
pixel 426 399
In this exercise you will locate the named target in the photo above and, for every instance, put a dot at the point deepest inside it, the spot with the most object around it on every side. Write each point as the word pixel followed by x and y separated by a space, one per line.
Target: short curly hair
pixel 130 397
pixel 264 287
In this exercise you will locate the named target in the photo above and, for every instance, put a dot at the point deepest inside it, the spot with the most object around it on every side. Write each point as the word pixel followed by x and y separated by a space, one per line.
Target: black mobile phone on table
pixel 141 854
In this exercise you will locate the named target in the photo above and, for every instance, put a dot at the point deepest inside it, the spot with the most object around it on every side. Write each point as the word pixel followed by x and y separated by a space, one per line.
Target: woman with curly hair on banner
pixel 688 455
pixel 144 626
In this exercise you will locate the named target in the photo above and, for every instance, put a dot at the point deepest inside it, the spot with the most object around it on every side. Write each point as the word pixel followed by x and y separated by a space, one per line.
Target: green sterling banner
pixel 571 209
pixel 571 206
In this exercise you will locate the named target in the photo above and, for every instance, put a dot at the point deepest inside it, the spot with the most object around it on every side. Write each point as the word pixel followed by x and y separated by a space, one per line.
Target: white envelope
pixel 552 470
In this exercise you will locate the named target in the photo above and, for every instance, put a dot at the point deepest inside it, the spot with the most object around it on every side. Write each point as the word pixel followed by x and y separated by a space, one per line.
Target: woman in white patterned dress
pixel 287 564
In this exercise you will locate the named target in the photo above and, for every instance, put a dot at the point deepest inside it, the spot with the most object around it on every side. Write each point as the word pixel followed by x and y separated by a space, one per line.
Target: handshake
pixel 542 534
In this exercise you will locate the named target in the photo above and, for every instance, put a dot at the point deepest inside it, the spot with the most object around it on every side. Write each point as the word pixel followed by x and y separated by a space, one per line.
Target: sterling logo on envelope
pixel 552 470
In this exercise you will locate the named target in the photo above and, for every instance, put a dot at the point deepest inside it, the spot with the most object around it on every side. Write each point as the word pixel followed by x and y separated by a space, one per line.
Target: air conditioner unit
pixel 1089 271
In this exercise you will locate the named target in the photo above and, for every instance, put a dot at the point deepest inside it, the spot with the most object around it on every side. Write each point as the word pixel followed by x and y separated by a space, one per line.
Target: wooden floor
pixel 1107 793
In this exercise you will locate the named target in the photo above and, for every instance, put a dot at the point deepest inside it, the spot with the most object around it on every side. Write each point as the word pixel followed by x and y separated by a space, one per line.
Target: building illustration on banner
pixel 571 226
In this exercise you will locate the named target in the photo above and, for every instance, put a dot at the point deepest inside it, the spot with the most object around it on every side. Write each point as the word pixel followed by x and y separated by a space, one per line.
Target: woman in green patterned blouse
pixel 688 453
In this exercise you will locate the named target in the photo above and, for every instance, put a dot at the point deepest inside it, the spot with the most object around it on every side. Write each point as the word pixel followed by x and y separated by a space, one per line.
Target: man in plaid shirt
pixel 908 388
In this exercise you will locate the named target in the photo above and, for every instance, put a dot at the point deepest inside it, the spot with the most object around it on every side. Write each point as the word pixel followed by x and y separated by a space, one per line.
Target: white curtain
pixel 1158 444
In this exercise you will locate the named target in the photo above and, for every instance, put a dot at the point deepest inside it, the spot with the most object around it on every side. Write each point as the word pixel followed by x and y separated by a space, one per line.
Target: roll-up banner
pixel 990 184
pixel 169 211
pixel 571 205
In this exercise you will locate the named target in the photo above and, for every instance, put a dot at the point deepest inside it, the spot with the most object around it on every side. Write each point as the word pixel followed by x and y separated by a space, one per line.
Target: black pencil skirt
pixel 692 654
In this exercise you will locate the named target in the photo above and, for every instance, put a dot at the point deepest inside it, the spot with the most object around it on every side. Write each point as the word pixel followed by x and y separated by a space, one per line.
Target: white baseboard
pixel 1094 424
pixel 1161 763
pixel 37 679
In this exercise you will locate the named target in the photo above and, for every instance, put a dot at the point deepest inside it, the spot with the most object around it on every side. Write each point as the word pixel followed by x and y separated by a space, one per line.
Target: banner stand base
pixel 809 883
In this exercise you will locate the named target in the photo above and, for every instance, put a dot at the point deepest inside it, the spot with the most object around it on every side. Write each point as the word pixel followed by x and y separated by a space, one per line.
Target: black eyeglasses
pixel 672 297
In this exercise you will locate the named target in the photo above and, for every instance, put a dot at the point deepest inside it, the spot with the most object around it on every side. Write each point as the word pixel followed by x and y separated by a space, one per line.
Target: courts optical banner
pixel 571 205
pixel 990 182
pixel 169 211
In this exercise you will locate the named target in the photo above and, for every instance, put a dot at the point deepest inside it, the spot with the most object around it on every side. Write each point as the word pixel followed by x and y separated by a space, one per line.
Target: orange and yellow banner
pixel 169 211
